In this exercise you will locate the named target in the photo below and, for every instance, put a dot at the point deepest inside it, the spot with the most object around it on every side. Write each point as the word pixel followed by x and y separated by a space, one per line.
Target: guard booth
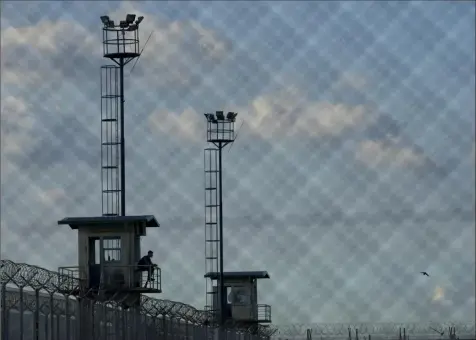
pixel 108 251
pixel 242 297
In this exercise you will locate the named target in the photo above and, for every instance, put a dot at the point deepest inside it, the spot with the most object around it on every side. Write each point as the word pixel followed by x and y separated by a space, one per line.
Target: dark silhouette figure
pixel 145 265
pixel 425 274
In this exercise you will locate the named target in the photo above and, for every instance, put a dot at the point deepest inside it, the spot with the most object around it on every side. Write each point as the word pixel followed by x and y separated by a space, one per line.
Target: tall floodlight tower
pixel 121 45
pixel 220 132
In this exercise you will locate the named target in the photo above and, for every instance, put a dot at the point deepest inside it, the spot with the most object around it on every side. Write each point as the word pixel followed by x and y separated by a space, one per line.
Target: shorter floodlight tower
pixel 220 132
pixel 121 45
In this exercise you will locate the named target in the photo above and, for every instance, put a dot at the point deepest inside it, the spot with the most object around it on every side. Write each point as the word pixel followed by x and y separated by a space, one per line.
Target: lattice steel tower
pixel 121 45
pixel 220 132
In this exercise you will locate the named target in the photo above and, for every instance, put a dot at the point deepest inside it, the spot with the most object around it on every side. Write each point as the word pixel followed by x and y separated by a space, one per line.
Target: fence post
pixel 82 320
pixel 164 326
pixel 3 312
pixel 36 316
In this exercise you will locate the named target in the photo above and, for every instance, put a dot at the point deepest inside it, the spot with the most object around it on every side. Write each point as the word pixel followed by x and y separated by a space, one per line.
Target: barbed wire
pixel 336 329
pixel 24 275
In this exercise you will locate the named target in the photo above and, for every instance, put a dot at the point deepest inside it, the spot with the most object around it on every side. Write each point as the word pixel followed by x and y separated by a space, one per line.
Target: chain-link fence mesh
pixel 352 171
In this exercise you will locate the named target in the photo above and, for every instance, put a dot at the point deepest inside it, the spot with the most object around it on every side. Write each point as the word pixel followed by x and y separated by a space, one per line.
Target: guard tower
pixel 242 306
pixel 108 252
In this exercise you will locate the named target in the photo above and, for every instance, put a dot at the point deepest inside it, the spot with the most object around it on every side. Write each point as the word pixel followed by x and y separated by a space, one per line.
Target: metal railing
pixel 244 313
pixel 151 279
pixel 110 277
pixel 70 279
pixel 264 313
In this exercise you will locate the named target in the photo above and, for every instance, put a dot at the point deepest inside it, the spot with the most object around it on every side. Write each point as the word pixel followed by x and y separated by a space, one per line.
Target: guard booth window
pixel 112 249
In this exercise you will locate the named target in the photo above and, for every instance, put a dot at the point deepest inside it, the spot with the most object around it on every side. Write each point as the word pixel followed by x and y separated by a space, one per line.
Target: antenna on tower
pixel 143 48
pixel 236 135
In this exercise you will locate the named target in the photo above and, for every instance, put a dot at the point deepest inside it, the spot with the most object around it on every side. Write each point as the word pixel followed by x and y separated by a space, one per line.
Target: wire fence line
pixel 36 305
pixel 378 331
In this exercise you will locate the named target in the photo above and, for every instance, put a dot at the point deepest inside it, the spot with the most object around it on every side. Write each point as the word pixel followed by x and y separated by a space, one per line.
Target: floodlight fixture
pixel 111 24
pixel 209 117
pixel 132 27
pixel 130 18
pixel 139 20
pixel 220 115
pixel 231 116
pixel 105 20
pixel 123 24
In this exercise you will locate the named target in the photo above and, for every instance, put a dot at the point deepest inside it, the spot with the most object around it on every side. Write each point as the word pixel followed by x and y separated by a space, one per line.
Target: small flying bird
pixel 441 333
pixel 425 274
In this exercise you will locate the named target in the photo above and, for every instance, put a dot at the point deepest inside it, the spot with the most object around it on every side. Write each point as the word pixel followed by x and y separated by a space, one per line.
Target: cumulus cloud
pixel 52 33
pixel 289 112
pixel 51 196
pixel 188 125
pixel 353 80
pixel 16 127
pixel 438 293
pixel 68 55
pixel 388 153
pixel 178 51
pixel 285 113
pixel 28 57
pixel 472 154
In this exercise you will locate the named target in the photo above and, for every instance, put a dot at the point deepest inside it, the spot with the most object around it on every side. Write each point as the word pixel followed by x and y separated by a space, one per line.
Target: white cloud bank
pixel 285 113
pixel 388 153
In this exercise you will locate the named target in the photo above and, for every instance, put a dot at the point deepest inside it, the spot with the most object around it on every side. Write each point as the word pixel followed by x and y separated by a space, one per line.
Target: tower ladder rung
pixel 211 258
pixel 109 120
pixel 212 206
pixel 110 167
pixel 211 171
pixel 210 188
pixel 110 191
pixel 211 223
pixel 212 241
pixel 110 143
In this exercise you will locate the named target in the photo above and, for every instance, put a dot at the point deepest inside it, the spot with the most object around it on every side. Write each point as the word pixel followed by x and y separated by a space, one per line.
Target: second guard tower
pixel 232 297
pixel 241 306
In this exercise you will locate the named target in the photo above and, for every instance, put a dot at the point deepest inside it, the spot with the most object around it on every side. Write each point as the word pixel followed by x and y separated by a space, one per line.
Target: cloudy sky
pixel 353 170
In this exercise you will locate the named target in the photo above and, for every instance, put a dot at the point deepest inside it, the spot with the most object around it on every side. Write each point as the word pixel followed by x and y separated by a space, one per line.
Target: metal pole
pixel 222 283
pixel 4 312
pixel 123 160
pixel 36 315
